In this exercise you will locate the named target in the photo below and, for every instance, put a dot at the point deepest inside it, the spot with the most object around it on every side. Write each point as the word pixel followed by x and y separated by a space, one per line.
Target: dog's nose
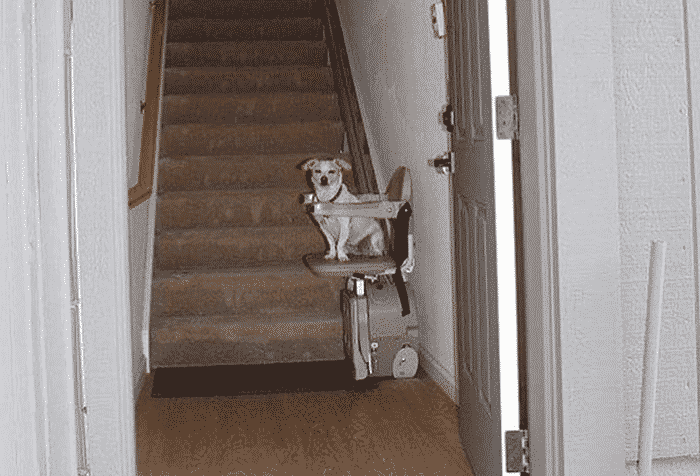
pixel 324 180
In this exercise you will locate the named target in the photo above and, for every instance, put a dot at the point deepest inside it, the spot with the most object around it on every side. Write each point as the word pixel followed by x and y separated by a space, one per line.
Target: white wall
pixel 587 224
pixel 137 25
pixel 399 70
pixel 655 164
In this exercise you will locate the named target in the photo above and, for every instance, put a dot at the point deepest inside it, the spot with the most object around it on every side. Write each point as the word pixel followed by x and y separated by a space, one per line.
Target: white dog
pixel 344 234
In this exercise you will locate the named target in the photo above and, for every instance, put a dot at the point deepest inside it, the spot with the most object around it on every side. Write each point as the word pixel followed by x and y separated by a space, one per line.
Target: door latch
pixel 448 118
pixel 443 164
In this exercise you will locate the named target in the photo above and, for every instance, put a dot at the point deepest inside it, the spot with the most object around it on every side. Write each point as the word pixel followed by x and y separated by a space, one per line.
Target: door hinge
pixel 83 472
pixel 517 452
pixel 507 117
pixel 444 163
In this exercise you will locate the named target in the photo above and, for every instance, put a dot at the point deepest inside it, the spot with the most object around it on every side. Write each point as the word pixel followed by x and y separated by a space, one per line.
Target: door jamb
pixel 530 56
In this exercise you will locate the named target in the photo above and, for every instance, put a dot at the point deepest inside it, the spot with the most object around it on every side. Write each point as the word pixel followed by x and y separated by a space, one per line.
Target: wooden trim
pixel 363 171
pixel 149 136
pixel 540 264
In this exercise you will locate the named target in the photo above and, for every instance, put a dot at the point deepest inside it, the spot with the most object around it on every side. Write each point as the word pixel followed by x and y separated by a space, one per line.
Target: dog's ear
pixel 308 163
pixel 341 163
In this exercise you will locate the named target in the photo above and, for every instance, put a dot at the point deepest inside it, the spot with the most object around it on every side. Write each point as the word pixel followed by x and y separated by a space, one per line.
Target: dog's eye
pixel 332 171
pixel 317 171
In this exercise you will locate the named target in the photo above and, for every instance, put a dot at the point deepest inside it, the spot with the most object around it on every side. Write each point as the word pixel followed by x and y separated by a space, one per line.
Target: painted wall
pixel 587 245
pixel 655 170
pixel 399 69
pixel 137 24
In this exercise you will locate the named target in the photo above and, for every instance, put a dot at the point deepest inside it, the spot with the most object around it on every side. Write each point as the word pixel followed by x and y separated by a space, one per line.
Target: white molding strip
pixel 678 466
pixel 691 26
pixel 534 63
pixel 102 208
pixel 438 374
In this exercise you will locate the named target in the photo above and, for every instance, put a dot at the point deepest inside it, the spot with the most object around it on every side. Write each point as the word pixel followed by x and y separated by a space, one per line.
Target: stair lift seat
pixel 380 333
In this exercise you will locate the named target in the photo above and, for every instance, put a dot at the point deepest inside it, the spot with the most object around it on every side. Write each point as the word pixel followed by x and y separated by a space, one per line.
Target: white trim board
pixel 38 423
pixel 438 374
pixel 678 466
pixel 102 207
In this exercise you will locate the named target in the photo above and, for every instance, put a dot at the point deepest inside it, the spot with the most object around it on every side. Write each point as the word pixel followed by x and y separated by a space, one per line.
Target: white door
pixel 475 235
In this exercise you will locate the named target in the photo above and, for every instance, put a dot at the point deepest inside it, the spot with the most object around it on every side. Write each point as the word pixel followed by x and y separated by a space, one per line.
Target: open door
pixel 473 188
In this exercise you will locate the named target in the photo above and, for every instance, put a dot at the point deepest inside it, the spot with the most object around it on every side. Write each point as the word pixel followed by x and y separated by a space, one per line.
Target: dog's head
pixel 326 171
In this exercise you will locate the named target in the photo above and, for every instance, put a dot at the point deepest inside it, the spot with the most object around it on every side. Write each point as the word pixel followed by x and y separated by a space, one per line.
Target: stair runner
pixel 248 95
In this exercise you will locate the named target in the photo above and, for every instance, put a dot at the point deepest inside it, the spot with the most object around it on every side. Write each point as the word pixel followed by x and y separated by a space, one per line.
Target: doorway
pixel 506 245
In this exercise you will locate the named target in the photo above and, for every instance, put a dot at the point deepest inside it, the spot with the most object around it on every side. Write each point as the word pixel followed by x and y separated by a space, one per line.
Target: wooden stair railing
pixel 151 108
pixel 362 168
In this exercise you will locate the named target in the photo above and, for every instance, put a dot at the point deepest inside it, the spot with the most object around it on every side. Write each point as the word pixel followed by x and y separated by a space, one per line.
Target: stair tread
pixel 232 230
pixel 238 157
pixel 248 78
pixel 180 9
pixel 201 44
pixel 243 69
pixel 273 316
pixel 173 194
pixel 215 29
pixel 247 52
pixel 277 268
pixel 250 108
pixel 271 94
pixel 253 126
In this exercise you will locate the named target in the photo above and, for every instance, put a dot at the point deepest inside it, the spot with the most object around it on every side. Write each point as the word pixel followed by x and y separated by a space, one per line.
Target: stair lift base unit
pixel 375 334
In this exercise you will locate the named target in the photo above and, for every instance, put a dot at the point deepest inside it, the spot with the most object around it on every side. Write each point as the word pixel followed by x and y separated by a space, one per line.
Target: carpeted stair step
pixel 214 139
pixel 246 53
pixel 217 248
pixel 236 172
pixel 255 108
pixel 191 30
pixel 247 338
pixel 267 79
pixel 264 207
pixel 255 289
pixel 242 9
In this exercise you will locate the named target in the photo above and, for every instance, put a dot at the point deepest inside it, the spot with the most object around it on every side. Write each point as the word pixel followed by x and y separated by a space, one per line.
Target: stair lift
pixel 380 331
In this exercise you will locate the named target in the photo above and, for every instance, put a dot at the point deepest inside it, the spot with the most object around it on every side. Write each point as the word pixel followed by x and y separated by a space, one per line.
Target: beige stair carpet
pixel 248 96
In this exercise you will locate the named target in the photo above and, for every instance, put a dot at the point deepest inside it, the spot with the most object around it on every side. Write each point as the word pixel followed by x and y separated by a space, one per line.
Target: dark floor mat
pixel 241 380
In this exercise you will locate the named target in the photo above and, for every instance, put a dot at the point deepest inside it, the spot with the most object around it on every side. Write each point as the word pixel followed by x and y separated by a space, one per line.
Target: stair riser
pixel 234 352
pixel 202 295
pixel 237 172
pixel 246 53
pixel 198 29
pixel 248 80
pixel 243 9
pixel 265 208
pixel 229 248
pixel 250 109
pixel 208 139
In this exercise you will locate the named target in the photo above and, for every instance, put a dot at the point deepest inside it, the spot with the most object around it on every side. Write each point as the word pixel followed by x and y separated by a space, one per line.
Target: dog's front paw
pixel 343 257
pixel 330 255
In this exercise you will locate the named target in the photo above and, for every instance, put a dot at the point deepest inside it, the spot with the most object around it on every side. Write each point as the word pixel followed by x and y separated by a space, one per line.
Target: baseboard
pixel 678 466
pixel 438 374
pixel 140 377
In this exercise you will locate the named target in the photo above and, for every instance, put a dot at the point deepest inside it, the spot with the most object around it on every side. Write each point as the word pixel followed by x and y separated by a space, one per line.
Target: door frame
pixel 100 107
pixel 536 261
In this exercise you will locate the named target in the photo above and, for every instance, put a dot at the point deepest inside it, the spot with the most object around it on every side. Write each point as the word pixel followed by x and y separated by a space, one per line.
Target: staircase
pixel 248 95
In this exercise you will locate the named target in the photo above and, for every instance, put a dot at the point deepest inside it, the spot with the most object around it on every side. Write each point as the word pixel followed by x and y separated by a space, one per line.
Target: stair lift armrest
pixel 382 209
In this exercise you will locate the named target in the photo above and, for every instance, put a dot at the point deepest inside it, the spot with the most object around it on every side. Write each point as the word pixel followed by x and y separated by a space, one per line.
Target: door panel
pixel 475 235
